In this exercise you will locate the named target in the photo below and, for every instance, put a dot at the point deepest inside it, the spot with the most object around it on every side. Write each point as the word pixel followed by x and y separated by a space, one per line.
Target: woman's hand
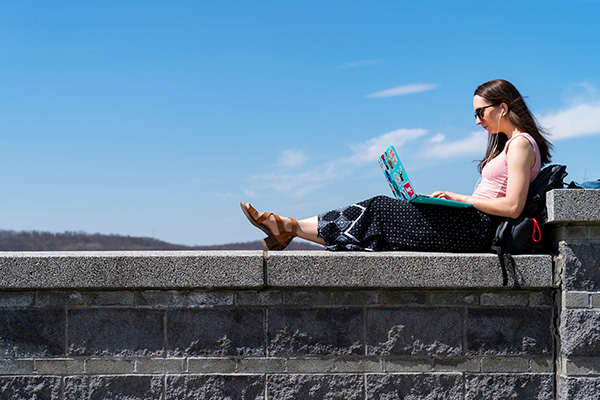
pixel 449 196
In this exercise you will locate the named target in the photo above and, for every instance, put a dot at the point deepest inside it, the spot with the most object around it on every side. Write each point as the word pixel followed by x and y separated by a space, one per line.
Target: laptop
pixel 402 188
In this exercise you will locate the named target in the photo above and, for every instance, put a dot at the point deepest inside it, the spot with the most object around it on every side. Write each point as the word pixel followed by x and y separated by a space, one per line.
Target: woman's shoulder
pixel 523 141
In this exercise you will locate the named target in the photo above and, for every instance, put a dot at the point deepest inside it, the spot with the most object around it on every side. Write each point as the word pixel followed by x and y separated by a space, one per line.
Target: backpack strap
pixel 498 250
pixel 513 267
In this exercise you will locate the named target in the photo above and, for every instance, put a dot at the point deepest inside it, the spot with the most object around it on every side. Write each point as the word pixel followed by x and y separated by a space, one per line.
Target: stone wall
pixel 276 344
pixel 306 325
pixel 575 218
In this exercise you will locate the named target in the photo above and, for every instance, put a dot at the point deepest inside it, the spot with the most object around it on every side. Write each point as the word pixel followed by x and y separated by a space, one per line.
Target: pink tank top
pixel 494 175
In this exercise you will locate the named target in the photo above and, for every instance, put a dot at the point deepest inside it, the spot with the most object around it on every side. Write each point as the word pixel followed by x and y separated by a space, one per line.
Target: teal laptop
pixel 402 187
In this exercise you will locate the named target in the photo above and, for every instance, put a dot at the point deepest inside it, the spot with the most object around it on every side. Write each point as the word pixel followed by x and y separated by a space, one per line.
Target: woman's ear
pixel 504 109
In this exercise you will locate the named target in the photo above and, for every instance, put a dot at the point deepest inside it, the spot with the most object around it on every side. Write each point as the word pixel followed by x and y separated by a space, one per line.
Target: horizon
pixel 156 119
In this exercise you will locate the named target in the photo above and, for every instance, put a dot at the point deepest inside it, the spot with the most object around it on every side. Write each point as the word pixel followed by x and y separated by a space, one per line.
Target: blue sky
pixel 155 118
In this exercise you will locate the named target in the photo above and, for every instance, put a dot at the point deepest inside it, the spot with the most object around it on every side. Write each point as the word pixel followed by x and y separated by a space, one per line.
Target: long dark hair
pixel 500 91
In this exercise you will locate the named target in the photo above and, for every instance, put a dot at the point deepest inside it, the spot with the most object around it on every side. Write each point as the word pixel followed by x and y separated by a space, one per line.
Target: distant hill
pixel 81 241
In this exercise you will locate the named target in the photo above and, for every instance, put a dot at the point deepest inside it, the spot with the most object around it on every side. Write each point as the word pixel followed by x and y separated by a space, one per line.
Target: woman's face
pixel 487 115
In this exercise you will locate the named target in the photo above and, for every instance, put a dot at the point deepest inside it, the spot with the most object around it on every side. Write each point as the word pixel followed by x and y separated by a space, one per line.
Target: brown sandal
pixel 272 241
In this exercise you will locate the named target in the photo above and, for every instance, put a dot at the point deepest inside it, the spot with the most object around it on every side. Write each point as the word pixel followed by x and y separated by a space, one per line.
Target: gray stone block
pixel 404 297
pixel 307 297
pixel 573 205
pixel 16 367
pixel 407 364
pixel 258 298
pixel 313 332
pixel 537 299
pixel 330 387
pixel 261 365
pixel 576 299
pixel 59 367
pixel 504 364
pixel 194 387
pixel 461 297
pixel 161 298
pixel 16 299
pixel 330 297
pixel 99 366
pixel 30 387
pixel 568 233
pixel 216 332
pixel 310 365
pixel 581 367
pixel 457 364
pixel 414 331
pixel 579 388
pixel 59 298
pixel 541 364
pixel 596 300
pixel 116 331
pixel 123 387
pixel 511 298
pixel 131 269
pixel 32 332
pixel 509 331
pixel 594 232
pixel 160 365
pixel 415 386
pixel 211 365
pixel 209 299
pixel 354 297
pixel 580 266
pixel 580 332
pixel 513 386
pixel 111 298
pixel 355 365
pixel 400 269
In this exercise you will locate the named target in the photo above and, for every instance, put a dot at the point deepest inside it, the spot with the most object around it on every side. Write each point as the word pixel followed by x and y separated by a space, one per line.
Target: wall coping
pixel 258 270
pixel 572 206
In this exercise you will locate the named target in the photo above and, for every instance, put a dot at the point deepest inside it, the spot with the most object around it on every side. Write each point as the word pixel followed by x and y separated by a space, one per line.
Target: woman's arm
pixel 520 158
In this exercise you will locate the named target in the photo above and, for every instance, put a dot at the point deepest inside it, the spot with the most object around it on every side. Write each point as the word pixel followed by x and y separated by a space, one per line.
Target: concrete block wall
pixel 276 344
pixel 575 221
pixel 307 325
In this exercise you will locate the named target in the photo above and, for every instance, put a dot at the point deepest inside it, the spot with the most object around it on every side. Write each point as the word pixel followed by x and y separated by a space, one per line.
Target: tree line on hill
pixel 80 241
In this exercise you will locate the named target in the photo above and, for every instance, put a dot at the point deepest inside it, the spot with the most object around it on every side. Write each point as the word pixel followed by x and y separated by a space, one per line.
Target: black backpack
pixel 523 235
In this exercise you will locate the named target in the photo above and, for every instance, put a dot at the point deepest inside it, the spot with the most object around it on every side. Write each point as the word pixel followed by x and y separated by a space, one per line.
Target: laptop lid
pixel 400 183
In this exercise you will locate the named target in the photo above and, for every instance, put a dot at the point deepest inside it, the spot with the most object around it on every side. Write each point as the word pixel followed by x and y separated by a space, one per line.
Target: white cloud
pixel 249 193
pixel 368 151
pixel 403 90
pixel 292 158
pixel 360 63
pixel 474 144
pixel 578 120
pixel 301 183
pixel 438 138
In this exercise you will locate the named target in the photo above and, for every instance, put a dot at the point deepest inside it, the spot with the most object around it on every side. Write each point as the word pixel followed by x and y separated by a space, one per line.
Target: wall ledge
pixel 257 269
pixel 573 206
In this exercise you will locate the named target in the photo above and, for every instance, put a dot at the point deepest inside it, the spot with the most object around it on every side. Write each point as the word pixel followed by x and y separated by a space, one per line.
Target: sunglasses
pixel 479 111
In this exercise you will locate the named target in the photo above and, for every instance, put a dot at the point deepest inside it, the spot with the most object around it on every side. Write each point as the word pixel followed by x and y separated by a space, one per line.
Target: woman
pixel 516 151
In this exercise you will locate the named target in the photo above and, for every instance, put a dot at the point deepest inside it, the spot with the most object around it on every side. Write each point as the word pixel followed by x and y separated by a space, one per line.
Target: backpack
pixel 522 235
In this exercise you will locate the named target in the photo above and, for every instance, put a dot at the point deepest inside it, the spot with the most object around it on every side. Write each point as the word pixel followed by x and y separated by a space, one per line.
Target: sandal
pixel 272 241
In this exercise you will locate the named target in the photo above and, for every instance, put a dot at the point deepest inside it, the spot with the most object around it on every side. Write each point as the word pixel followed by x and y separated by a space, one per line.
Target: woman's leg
pixel 307 228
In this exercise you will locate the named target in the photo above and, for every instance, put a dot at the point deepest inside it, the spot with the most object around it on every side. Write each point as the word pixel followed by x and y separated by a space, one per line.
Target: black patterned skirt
pixel 384 224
